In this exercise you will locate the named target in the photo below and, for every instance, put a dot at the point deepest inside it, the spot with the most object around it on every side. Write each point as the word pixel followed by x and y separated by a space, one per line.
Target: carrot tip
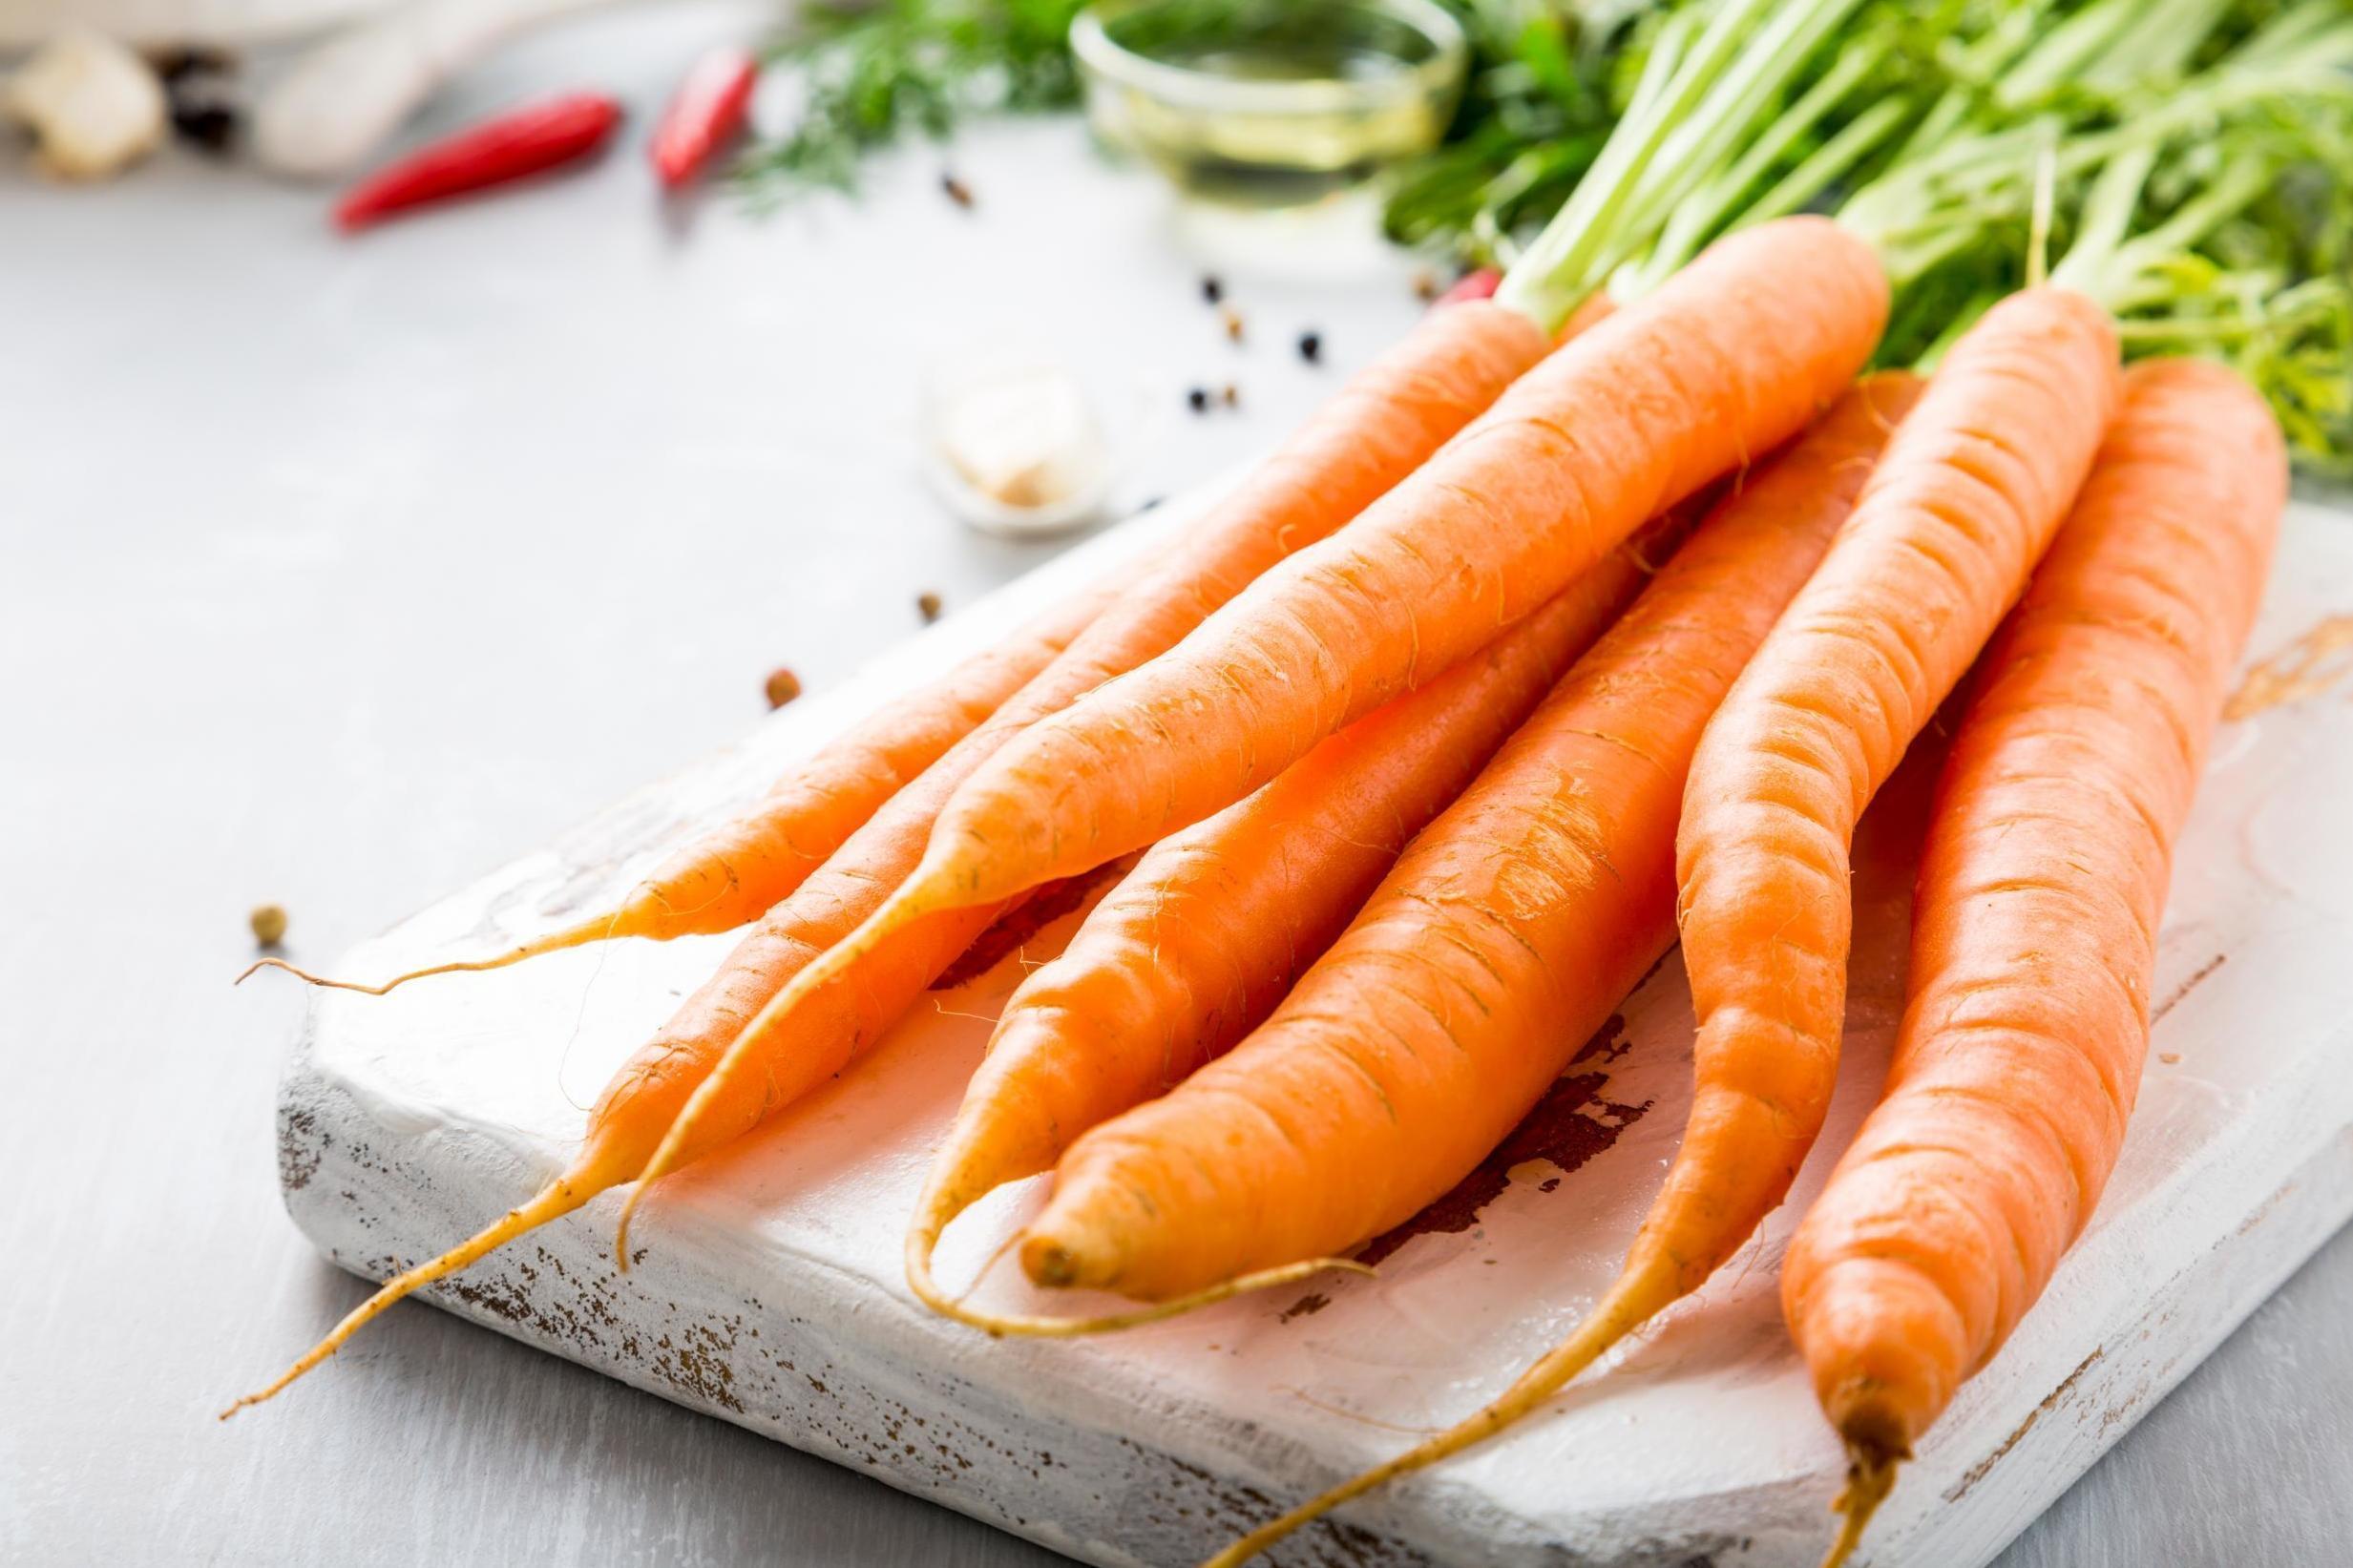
pixel 556 1198
pixel 1870 1476
pixel 1000 1325
pixel 249 1400
pixel 303 975
pixel 326 982
pixel 620 1228
pixel 602 928
pixel 1644 1289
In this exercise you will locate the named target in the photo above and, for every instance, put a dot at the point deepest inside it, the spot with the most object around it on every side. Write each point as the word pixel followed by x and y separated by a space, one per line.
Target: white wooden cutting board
pixel 769 1291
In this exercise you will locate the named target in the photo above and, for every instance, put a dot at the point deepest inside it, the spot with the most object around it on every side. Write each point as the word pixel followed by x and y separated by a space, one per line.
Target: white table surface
pixel 335 572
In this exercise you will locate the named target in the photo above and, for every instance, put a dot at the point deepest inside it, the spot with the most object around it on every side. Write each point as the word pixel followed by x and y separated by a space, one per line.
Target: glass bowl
pixel 1270 102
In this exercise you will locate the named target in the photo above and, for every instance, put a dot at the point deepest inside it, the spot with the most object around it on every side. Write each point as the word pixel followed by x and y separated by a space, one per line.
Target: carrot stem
pixel 1705 214
pixel 1679 127
pixel 2038 227
pixel 1963 183
pixel 1728 117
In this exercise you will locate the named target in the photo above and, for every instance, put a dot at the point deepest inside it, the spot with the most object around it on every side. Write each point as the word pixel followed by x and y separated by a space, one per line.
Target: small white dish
pixel 1017 444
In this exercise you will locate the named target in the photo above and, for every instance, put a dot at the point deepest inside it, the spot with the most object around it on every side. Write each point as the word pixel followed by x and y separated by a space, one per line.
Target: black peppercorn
pixel 201 89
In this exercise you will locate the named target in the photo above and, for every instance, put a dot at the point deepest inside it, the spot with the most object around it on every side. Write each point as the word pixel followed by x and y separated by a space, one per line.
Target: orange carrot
pixel 1729 359
pixel 1504 936
pixel 1735 354
pixel 738 871
pixel 1043 905
pixel 1195 948
pixel 2034 929
pixel 746 868
pixel 1384 423
pixel 1973 485
pixel 806 1025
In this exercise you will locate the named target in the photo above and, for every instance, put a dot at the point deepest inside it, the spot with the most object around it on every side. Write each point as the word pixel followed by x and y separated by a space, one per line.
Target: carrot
pixel 1721 367
pixel 1734 355
pixel 1505 934
pixel 1384 423
pixel 1731 358
pixel 1193 950
pixel 1972 486
pixel 738 871
pixel 2034 928
pixel 806 1022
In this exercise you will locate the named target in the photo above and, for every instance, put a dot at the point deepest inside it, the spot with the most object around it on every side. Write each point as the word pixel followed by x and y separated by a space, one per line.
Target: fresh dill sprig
pixel 872 75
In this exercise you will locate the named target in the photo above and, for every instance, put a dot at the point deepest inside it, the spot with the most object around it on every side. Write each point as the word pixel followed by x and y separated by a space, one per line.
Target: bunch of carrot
pixel 1579 623
pixel 830 959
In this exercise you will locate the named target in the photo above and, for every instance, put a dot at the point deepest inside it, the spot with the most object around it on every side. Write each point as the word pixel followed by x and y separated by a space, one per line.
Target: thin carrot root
pixel 1870 1476
pixel 910 903
pixel 1631 1303
pixel 988 1266
pixel 580 935
pixel 557 1199
pixel 924 1239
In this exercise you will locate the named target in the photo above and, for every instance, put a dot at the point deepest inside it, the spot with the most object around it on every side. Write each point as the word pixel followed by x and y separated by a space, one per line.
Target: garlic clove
pixel 1014 445
pixel 93 106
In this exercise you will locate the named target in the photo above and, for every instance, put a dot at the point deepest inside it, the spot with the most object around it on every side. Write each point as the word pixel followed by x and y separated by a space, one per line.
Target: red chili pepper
pixel 1473 285
pixel 710 107
pixel 505 147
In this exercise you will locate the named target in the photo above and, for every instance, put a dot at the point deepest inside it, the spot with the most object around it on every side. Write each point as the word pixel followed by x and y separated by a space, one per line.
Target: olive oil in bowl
pixel 1270 102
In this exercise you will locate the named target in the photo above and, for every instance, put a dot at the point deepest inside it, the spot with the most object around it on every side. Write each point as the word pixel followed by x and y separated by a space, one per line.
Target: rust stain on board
pixel 1306 1307
pixel 2188 986
pixel 700 1364
pixel 1567 1127
pixel 1047 904
pixel 2050 1402
pixel 2306 667
pixel 301 1148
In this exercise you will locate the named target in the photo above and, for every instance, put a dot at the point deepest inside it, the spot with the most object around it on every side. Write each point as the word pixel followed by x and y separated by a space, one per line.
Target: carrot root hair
pixel 931 1221
pixel 557 1199
pixel 1870 1476
pixel 915 898
pixel 921 1242
pixel 941 1210
pixel 1631 1302
pixel 597 929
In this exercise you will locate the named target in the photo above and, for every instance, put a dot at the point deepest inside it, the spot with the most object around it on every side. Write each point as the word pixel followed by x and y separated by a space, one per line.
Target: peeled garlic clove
pixel 1016 447
pixel 93 105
